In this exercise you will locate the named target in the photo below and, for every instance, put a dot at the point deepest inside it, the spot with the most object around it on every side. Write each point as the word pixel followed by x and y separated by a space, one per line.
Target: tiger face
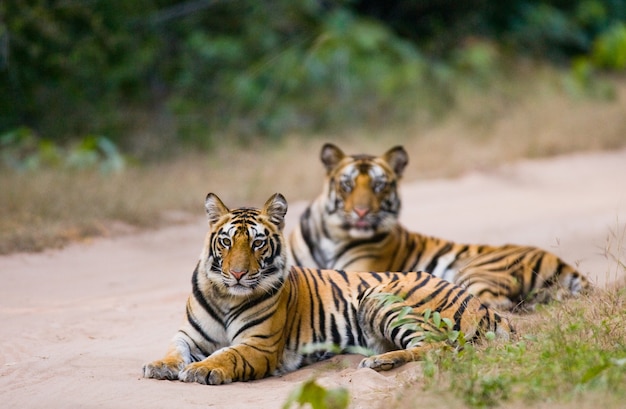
pixel 243 255
pixel 362 196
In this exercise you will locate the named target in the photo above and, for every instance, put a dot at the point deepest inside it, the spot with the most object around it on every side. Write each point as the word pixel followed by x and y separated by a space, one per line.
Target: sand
pixel 76 325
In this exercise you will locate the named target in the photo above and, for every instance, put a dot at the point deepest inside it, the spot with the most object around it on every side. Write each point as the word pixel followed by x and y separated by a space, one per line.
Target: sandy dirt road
pixel 76 325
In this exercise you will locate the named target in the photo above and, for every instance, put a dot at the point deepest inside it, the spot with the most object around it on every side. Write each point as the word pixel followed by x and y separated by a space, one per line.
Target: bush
pixel 215 68
pixel 22 151
pixel 609 48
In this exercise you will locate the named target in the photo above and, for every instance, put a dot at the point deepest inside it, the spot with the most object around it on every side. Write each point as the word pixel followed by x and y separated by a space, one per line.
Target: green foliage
pixel 95 152
pixel 67 65
pixel 608 53
pixel 310 392
pixel 478 61
pixel 609 48
pixel 215 68
pixel 543 28
pixel 430 327
pixel 21 150
pixel 340 72
pixel 571 351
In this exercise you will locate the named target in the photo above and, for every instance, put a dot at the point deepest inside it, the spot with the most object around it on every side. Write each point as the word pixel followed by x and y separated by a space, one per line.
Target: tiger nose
pixel 361 211
pixel 237 274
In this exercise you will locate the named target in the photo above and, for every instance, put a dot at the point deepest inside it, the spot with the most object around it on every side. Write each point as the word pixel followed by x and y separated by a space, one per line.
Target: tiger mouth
pixel 348 224
pixel 240 289
pixel 362 225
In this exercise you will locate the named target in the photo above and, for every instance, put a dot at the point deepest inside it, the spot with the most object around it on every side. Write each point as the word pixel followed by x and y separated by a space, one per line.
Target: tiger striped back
pixel 249 316
pixel 353 225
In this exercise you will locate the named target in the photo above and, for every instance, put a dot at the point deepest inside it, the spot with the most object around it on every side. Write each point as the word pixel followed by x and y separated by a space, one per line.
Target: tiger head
pixel 244 253
pixel 361 191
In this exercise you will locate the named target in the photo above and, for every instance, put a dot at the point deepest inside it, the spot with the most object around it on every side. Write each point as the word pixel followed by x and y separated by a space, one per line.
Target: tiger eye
pixel 379 186
pixel 346 185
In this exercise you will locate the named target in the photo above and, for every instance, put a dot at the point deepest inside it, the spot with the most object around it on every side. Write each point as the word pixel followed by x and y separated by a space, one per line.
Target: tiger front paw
pixel 391 359
pixel 204 374
pixel 377 363
pixel 162 370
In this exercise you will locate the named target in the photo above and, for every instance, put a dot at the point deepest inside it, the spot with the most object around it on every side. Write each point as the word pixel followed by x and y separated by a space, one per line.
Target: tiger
pixel 353 225
pixel 250 315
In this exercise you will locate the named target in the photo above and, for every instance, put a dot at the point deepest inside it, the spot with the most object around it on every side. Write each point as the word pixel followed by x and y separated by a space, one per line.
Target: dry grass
pixel 528 118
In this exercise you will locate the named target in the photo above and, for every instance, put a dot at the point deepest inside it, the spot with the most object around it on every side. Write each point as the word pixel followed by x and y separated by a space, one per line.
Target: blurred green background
pixel 145 76
pixel 117 115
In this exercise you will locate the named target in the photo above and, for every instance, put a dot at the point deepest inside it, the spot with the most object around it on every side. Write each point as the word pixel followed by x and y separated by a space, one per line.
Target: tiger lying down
pixel 353 225
pixel 249 316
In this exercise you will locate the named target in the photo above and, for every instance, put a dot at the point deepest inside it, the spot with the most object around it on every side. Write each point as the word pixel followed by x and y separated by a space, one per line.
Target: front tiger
pixel 353 225
pixel 249 316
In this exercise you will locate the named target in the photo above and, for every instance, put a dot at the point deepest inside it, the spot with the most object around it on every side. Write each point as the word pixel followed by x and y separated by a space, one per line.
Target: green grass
pixel 571 354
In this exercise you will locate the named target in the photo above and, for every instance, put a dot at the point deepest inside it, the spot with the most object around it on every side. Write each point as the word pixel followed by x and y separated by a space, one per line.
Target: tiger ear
pixel 276 209
pixel 331 156
pixel 397 158
pixel 214 207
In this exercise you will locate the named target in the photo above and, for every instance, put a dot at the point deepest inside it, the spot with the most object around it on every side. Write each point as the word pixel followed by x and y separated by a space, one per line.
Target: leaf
pixel 337 398
pixel 415 341
pixel 404 312
pixel 449 323
pixel 437 319
pixel 399 323
pixel 387 299
pixel 593 372
pixel 461 341
pixel 453 336
pixel 360 350
pixel 317 396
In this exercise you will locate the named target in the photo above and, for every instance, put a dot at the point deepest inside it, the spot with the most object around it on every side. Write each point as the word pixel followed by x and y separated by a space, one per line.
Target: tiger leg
pixel 570 283
pixel 493 300
pixel 389 360
pixel 394 330
pixel 168 367
pixel 570 286
pixel 494 290
pixel 556 281
pixel 237 363
pixel 517 278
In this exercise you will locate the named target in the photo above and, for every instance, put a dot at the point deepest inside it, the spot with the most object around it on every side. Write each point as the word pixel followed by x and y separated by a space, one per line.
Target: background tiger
pixel 249 316
pixel 353 225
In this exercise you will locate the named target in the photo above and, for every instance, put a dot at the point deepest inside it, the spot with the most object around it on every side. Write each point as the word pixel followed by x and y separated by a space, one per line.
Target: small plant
pixel 317 396
pixel 476 388
pixel 431 326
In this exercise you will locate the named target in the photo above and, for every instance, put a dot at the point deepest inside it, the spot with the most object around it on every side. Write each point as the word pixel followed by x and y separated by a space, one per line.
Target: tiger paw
pixel 201 373
pixel 161 370
pixel 378 363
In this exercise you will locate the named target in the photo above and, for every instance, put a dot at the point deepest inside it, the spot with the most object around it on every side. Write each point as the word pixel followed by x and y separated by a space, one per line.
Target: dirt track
pixel 78 324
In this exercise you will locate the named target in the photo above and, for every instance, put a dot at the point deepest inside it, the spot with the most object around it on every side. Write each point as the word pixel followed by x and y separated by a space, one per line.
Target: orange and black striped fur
pixel 249 316
pixel 353 225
